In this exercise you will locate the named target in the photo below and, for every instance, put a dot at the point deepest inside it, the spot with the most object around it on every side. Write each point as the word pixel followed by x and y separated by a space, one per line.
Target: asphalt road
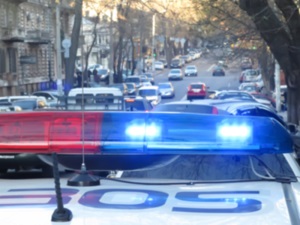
pixel 205 65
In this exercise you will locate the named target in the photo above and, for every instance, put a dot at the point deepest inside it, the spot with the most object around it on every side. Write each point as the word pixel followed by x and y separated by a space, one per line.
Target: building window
pixel 12 59
pixel 3 17
pixel 2 61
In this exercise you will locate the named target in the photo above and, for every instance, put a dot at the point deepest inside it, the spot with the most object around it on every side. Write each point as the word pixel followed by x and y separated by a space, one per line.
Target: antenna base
pixel 84 179
pixel 63 215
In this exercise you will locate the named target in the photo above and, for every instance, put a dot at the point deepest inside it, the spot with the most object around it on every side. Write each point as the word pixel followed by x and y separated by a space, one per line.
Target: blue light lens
pixel 180 133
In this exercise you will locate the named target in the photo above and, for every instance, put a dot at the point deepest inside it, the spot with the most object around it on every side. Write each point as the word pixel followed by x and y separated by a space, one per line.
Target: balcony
pixel 9 79
pixel 13 35
pixel 37 37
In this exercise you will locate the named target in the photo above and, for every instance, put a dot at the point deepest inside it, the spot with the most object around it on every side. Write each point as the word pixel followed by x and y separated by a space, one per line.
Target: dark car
pixel 189 107
pixel 137 104
pixel 103 74
pixel 150 77
pixel 246 63
pixel 134 79
pixel 132 90
pixel 177 63
pixel 122 87
pixel 218 71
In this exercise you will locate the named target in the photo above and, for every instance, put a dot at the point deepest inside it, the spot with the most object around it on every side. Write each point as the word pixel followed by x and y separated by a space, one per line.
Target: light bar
pixel 140 133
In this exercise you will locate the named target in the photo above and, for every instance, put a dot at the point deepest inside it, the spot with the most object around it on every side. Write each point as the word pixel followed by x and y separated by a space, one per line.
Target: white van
pixel 98 98
pixel 151 93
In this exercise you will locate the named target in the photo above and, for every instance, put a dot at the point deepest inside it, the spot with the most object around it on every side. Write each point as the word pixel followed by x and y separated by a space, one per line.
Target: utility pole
pixel 277 87
pixel 58 51
pixel 111 47
pixel 153 41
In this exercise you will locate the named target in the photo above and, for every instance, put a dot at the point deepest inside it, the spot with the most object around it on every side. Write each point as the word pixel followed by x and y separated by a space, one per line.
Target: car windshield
pixel 130 86
pixel 26 104
pixel 102 71
pixel 147 92
pixel 120 86
pixel 133 79
pixel 164 86
pixel 190 67
pixel 175 71
pixel 215 168
pixel 249 88
pixel 197 86
pixel 135 105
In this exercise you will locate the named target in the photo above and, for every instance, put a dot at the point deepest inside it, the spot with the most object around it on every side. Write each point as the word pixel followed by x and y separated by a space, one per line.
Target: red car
pixel 196 90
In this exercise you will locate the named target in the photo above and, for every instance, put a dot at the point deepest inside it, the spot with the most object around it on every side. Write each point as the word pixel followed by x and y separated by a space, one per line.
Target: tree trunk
pixel 133 66
pixel 74 46
pixel 284 42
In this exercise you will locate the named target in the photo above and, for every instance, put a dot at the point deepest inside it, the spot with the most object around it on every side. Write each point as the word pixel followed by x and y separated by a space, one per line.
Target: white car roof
pixel 149 88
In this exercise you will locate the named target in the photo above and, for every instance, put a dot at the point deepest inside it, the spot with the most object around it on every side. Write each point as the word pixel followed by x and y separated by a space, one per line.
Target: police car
pixel 167 168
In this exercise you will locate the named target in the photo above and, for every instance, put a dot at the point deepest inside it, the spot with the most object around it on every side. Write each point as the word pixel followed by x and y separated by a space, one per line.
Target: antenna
pixel 83 178
pixel 60 214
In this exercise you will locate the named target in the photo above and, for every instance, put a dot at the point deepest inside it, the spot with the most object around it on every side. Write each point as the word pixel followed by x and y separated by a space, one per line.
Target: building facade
pixel 26 46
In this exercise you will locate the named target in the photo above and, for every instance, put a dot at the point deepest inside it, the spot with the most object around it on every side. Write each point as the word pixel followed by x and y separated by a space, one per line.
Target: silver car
pixel 191 70
pixel 175 74
pixel 166 90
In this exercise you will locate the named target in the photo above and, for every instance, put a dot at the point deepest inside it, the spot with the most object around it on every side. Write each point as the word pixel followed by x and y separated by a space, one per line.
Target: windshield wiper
pixel 271 176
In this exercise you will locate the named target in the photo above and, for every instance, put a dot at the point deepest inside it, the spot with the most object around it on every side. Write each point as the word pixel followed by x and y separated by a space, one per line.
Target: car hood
pixel 263 101
pixel 151 98
pixel 190 70
pixel 164 90
pixel 131 204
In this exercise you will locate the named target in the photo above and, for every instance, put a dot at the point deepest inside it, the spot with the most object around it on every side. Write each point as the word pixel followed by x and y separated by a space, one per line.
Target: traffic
pixel 185 143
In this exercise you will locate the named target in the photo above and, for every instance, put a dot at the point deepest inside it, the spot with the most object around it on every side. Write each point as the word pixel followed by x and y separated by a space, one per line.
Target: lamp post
pixel 153 40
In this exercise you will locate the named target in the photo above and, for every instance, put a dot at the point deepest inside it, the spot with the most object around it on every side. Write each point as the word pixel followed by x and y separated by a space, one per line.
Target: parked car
pixel 31 104
pixel 95 66
pixel 249 75
pixel 249 87
pixel 246 63
pixel 51 96
pixel 166 90
pixel 103 74
pixel 164 62
pixel 196 90
pixel 158 65
pixel 175 74
pixel 191 70
pixel 188 107
pixel 240 95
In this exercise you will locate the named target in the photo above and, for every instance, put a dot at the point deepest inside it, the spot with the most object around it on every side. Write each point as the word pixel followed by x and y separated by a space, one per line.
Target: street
pixel 205 65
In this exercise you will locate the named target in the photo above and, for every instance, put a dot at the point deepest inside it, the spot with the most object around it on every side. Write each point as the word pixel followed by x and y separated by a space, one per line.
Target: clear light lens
pixel 235 132
pixel 143 131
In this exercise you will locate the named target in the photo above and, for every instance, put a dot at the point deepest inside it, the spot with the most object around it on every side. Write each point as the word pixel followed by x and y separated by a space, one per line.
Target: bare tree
pixel 70 68
pixel 279 27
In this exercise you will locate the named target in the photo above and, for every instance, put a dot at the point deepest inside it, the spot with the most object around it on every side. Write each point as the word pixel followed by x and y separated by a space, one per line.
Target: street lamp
pixel 153 40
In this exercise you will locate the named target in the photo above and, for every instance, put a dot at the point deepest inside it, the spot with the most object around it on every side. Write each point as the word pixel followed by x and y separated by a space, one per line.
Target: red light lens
pixel 46 132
